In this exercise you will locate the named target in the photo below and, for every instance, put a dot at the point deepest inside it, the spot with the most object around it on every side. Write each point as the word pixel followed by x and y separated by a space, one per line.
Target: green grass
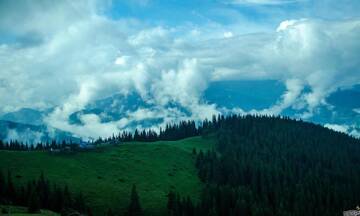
pixel 105 176
pixel 22 211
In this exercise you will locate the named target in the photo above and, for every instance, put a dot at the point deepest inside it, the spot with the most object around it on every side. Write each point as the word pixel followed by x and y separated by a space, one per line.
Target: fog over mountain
pixel 93 68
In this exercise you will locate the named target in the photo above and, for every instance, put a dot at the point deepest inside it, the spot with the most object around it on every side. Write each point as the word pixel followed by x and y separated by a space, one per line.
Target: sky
pixel 66 54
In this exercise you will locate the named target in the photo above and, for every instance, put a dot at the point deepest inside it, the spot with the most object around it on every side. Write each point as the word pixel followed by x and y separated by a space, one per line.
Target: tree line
pixel 41 194
pixel 171 132
pixel 16 145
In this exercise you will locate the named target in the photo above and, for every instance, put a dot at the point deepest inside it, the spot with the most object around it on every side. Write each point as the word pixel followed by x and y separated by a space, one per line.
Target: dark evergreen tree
pixel 80 203
pixel 171 204
pixel 110 212
pixel 2 186
pixel 10 192
pixel 34 203
pixel 134 208
pixel 89 212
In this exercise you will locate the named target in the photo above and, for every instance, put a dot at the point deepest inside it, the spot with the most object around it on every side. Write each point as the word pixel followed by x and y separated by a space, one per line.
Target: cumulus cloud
pixel 336 127
pixel 303 53
pixel 349 129
pixel 288 99
pixel 77 54
pixel 228 34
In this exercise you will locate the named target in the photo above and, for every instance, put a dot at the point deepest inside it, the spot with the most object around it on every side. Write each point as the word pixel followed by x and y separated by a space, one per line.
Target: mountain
pixel 229 94
pixel 342 111
pixel 25 116
pixel 120 106
pixel 343 105
pixel 111 108
pixel 247 94
pixel 32 133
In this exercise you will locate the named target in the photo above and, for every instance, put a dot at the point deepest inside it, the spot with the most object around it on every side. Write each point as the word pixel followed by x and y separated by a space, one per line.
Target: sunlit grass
pixel 106 176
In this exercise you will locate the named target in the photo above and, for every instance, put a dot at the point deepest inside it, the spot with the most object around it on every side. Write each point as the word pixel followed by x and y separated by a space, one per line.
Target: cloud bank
pixel 66 55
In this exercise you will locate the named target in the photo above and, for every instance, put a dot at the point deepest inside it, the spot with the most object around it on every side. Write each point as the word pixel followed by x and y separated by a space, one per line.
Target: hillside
pixel 106 175
pixel 278 166
pixel 249 165
pixel 22 211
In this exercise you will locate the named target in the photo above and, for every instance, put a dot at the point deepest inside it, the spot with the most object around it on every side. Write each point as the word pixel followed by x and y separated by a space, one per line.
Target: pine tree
pixel 2 184
pixel 134 208
pixel 10 188
pixel 34 203
pixel 110 212
pixel 80 203
pixel 89 212
pixel 171 205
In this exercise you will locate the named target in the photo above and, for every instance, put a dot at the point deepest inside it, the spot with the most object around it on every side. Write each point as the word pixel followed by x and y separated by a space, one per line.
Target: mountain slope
pixel 105 176
pixel 246 94
pixel 32 133
pixel 342 108
pixel 22 211
pixel 25 116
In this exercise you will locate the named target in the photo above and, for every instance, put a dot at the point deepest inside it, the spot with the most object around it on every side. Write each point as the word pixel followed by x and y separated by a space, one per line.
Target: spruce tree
pixel 171 205
pixel 2 184
pixel 34 203
pixel 110 213
pixel 10 189
pixel 134 208
pixel 80 203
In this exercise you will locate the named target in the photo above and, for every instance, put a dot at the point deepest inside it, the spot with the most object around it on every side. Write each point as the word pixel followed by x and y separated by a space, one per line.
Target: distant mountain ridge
pixel 343 110
pixel 25 116
pixel 32 133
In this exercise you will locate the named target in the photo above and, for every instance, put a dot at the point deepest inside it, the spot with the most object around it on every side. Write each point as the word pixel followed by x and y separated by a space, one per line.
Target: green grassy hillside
pixel 106 175
pixel 22 211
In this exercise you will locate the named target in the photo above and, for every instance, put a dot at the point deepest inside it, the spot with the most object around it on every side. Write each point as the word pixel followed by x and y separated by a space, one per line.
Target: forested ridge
pixel 275 166
pixel 171 132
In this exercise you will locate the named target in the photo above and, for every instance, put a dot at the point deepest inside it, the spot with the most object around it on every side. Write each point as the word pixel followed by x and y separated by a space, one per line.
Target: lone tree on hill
pixel 134 208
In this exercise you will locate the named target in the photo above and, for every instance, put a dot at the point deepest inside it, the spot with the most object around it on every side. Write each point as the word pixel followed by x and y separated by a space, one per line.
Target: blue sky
pixel 66 54
pixel 173 12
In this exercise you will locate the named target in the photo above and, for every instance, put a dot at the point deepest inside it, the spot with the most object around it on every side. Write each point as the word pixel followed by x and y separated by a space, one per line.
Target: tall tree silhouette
pixel 34 203
pixel 2 185
pixel 134 208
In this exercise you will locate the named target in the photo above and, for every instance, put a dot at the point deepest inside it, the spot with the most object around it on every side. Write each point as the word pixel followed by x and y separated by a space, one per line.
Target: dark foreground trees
pixel 40 194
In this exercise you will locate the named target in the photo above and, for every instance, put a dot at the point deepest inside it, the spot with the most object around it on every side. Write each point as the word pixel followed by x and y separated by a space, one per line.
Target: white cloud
pixel 337 127
pixel 357 110
pixel 284 25
pixel 78 59
pixel 27 135
pixel 228 34
pixel 349 129
pixel 294 88
pixel 122 60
